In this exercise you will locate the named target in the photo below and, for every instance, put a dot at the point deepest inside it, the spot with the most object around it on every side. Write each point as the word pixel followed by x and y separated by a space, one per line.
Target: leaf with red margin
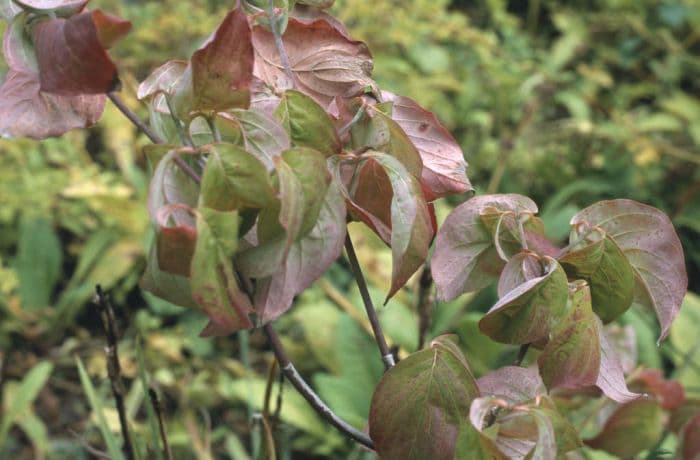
pixel 647 238
pixel 61 8
pixel 306 261
pixel 465 257
pixel 213 278
pixel 332 66
pixel 632 428
pixel 690 443
pixel 531 311
pixel 571 359
pixel 71 55
pixel 611 378
pixel 220 73
pixel 669 393
pixel 419 405
pixel 444 166
pixel 27 111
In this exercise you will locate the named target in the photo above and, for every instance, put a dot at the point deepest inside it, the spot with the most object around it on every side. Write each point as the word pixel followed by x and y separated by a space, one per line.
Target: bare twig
pixel 307 392
pixel 521 354
pixel 425 304
pixel 161 423
pixel 86 445
pixel 113 367
pixel 279 43
pixel 387 356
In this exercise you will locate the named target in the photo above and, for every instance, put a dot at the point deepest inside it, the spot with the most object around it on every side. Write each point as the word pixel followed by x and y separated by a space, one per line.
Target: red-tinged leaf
pixel 168 286
pixel 110 28
pixel 555 435
pixel 321 4
pixel 520 268
pixel 222 69
pixel 61 8
pixel 375 130
pixel 213 279
pixel 571 359
pixel 307 123
pixel 333 66
pixel 72 60
pixel 263 98
pixel 419 405
pixel 682 415
pixel 669 393
pixel 306 261
pixel 18 47
pixel 27 111
pixel 170 185
pixel 632 428
pixel 176 237
pixel 508 434
pixel 531 311
pixel 600 262
pixel 611 378
pixel 472 445
pixel 465 257
pixel 690 439
pixel 444 167
pixel 162 79
pixel 262 134
pixel 308 14
pixel 234 179
pixel 516 384
pixel 647 238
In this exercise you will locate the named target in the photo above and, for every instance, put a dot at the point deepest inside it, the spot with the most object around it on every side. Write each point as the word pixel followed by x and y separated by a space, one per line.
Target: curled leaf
pixel 611 378
pixel 162 79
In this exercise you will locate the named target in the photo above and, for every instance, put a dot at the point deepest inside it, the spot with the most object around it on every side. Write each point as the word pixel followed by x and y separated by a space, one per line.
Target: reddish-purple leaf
pixel 61 8
pixel 444 167
pixel 516 384
pixel 72 59
pixel 465 257
pixel 611 378
pixel 306 260
pixel 669 393
pixel 647 238
pixel 324 62
pixel 520 268
pixel 691 439
pixel 531 311
pixel 168 286
pixel 26 111
pixel 321 4
pixel 419 405
pixel 571 359
pixel 632 428
pixel 162 79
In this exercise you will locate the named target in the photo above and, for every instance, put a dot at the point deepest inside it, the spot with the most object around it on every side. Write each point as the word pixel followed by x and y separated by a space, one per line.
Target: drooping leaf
pixel 61 8
pixel 307 123
pixel 71 53
pixel 571 359
pixel 690 447
pixel 213 279
pixel 444 166
pixel 333 66
pixel 632 428
pixel 262 134
pixel 555 434
pixel 647 238
pixel 531 311
pixel 234 179
pixel 162 79
pixel 306 261
pixel 27 111
pixel 604 266
pixel 418 406
pixel 465 257
pixel 669 393
pixel 220 73
pixel 516 384
pixel 611 378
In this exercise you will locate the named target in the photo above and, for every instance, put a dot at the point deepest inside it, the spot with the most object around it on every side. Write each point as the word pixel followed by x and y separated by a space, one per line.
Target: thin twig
pixel 279 43
pixel 308 393
pixel 387 356
pixel 161 423
pixel 425 304
pixel 143 127
pixel 178 127
pixel 86 445
pixel 113 367
pixel 521 354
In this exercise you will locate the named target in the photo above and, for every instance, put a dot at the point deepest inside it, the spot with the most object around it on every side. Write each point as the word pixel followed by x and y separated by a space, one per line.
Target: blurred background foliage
pixel 566 101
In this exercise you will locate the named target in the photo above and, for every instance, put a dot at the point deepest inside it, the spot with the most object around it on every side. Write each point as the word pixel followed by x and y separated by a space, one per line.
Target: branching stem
pixel 279 43
pixel 387 356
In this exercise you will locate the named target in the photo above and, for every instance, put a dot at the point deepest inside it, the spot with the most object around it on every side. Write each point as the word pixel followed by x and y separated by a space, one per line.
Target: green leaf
pixel 531 311
pixel 162 79
pixel 632 428
pixel 307 124
pixel 419 405
pixel 39 262
pixel 234 179
pixel 571 359
pixel 96 404
pixel 465 256
pixel 213 279
pixel 686 341
pixel 24 395
pixel 647 238
pixel 555 434
pixel 603 265
pixel 261 134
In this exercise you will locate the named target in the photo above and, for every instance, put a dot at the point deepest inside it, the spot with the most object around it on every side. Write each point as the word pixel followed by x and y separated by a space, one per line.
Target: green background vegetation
pixel 566 101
